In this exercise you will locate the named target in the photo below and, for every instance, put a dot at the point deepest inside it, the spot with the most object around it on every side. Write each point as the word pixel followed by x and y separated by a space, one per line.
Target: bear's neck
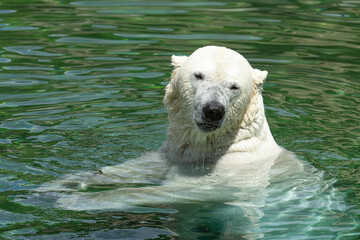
pixel 186 143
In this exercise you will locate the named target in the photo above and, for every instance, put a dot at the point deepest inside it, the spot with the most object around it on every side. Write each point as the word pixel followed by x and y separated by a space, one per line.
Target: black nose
pixel 214 111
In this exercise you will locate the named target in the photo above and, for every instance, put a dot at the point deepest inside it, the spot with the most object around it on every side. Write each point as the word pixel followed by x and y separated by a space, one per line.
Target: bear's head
pixel 211 89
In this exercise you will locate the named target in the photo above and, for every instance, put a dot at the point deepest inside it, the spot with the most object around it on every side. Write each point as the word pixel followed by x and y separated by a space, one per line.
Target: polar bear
pixel 219 152
pixel 217 132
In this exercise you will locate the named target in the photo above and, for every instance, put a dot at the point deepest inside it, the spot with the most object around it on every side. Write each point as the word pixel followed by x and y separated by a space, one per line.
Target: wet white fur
pixel 244 136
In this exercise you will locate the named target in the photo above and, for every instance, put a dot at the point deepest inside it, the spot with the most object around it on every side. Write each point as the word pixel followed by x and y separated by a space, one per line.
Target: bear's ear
pixel 177 61
pixel 171 92
pixel 259 77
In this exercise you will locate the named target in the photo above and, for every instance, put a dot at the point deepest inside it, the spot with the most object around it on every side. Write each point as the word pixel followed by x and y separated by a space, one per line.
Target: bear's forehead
pixel 218 66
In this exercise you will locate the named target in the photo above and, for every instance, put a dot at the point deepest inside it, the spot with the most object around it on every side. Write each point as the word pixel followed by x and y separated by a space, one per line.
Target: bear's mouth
pixel 208 127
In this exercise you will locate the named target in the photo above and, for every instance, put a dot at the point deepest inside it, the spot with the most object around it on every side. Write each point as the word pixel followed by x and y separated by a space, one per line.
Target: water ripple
pixel 190 36
pixel 144 3
pixel 108 59
pixel 142 11
pixel 18 28
pixel 84 40
pixel 2 11
pixel 31 51
pixel 21 82
pixel 5 60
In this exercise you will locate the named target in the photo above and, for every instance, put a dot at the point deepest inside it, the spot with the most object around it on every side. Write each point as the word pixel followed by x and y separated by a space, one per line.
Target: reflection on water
pixel 81 87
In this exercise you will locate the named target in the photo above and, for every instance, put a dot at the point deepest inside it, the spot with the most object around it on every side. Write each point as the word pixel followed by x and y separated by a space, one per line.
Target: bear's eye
pixel 199 76
pixel 234 87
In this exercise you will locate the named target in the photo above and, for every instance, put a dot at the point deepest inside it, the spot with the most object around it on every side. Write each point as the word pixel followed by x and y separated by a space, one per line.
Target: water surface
pixel 81 87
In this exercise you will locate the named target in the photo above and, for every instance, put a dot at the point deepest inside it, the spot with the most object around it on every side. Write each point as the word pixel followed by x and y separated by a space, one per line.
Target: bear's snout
pixel 211 116
pixel 214 111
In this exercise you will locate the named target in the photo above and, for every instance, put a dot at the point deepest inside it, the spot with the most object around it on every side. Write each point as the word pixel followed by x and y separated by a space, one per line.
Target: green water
pixel 81 87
